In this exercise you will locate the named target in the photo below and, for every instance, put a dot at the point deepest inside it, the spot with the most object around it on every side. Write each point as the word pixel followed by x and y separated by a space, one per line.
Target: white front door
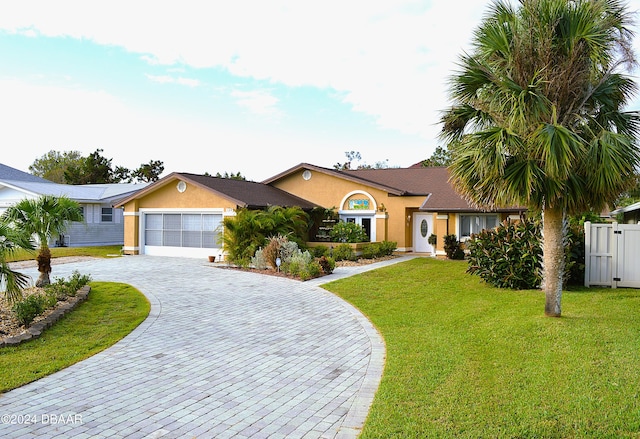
pixel 422 229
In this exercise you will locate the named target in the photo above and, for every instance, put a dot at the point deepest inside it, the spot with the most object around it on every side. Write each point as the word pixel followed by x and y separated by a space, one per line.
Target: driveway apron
pixel 223 353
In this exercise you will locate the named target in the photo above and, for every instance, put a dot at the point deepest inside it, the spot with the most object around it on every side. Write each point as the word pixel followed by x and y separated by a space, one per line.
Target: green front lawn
pixel 467 360
pixel 111 311
pixel 57 252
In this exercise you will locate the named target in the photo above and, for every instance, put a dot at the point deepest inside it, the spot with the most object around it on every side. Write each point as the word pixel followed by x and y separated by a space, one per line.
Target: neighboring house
pixel 630 213
pixel 181 214
pixel 103 223
pixel 405 205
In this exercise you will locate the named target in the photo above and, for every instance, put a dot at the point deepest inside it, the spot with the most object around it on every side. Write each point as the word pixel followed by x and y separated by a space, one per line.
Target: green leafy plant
pixel 508 256
pixel 348 232
pixel 432 239
pixel 320 250
pixel 344 252
pixel 327 264
pixel 249 230
pixel 29 308
pixel 453 247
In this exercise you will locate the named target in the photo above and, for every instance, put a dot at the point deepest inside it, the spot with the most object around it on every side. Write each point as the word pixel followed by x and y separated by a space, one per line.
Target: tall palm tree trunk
pixel 553 259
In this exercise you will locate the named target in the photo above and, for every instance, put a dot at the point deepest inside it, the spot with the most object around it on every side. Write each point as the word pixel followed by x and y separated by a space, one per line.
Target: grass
pixel 111 311
pixel 467 360
pixel 57 252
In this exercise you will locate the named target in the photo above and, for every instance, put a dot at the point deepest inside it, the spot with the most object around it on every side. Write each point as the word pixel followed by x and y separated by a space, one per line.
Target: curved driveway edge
pixel 222 354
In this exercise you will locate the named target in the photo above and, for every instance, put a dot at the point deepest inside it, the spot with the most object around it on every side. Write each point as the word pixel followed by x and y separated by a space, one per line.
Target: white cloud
pixel 166 79
pixel 256 101
pixel 388 58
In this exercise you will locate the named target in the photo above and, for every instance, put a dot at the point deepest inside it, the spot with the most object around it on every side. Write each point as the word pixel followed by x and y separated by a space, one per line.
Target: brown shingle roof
pixel 250 193
pixel 431 182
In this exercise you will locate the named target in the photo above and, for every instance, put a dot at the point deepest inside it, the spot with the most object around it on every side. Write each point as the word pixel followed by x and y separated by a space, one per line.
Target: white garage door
pixel 182 234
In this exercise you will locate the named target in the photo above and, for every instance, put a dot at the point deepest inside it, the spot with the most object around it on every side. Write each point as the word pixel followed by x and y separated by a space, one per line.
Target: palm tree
pixel 537 116
pixel 12 239
pixel 44 217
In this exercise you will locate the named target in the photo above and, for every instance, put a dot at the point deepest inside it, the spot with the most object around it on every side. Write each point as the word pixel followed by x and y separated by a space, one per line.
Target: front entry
pixel 422 229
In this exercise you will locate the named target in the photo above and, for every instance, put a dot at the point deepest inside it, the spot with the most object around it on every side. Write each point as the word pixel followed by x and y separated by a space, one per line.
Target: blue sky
pixel 212 86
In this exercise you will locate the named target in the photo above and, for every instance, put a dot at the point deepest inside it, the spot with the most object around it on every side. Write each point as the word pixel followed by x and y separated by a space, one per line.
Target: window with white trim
pixel 107 215
pixel 475 223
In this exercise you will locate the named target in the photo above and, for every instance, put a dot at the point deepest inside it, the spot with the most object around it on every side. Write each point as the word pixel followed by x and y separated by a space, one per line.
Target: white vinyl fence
pixel 612 255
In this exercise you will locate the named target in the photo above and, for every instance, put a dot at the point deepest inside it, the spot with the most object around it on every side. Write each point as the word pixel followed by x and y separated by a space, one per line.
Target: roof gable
pixel 241 192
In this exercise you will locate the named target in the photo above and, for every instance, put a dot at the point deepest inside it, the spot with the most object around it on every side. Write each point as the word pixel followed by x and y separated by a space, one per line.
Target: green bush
pixel 327 264
pixel 387 248
pixel 320 251
pixel 344 252
pixel 453 247
pixel 258 261
pixel 348 232
pixel 509 256
pixel 310 270
pixel 247 231
pixel 29 308
pixel 62 288
pixel 371 251
pixel 77 281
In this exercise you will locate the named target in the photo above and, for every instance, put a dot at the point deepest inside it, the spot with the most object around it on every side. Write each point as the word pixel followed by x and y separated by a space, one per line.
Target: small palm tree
pixel 537 116
pixel 12 239
pixel 44 217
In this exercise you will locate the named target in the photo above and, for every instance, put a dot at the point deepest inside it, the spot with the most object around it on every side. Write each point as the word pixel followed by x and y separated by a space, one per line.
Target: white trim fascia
pixel 130 248
pixel 131 213
pixel 186 209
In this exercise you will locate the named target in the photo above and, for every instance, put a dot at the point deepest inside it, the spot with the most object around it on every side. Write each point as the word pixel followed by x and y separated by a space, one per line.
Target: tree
pixel 537 116
pixel 232 176
pixel 440 157
pixel 44 217
pixel 354 157
pixel 94 169
pixel 150 172
pixel 12 239
pixel 53 165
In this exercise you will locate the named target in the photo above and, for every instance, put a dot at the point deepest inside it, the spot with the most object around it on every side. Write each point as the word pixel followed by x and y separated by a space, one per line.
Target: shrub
pixel 453 247
pixel 508 256
pixel 288 249
pixel 371 251
pixel 296 264
pixel 259 262
pixel 77 281
pixel 575 252
pixel 344 252
pixel 327 264
pixel 320 251
pixel 348 232
pixel 511 255
pixel 29 308
pixel 310 270
pixel 387 248
pixel 272 251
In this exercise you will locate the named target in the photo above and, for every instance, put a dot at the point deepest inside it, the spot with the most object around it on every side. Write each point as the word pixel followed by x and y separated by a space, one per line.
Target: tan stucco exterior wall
pixel 329 191
pixel 167 197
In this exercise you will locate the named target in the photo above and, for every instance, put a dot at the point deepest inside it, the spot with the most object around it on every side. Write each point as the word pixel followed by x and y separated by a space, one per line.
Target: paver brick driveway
pixel 222 354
